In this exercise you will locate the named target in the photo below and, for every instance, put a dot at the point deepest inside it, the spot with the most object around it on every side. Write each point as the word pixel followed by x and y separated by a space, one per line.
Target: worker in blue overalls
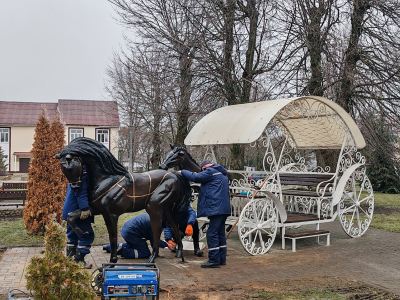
pixel 214 203
pixel 77 198
pixel 136 232
pixel 188 226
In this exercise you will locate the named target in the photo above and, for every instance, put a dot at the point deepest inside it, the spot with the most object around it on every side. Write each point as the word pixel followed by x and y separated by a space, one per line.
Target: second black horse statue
pixel 114 191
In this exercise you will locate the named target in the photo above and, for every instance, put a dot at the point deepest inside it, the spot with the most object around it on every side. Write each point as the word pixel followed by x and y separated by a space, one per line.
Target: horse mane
pixel 187 153
pixel 84 146
pixel 185 190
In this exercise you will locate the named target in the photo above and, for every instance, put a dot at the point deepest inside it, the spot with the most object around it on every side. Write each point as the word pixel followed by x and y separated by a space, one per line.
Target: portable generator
pixel 132 281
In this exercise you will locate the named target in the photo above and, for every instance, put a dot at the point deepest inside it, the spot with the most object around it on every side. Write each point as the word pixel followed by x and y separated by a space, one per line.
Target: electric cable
pixel 10 294
pixel 166 290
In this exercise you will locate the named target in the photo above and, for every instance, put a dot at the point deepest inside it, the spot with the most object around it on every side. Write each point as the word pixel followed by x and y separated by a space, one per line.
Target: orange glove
pixel 172 243
pixel 189 230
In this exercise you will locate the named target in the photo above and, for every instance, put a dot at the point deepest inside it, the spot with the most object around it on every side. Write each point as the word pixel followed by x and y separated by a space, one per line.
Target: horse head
pixel 72 168
pixel 174 158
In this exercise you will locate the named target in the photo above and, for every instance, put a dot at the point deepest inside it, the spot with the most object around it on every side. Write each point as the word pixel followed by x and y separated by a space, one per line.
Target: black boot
pixel 198 252
pixel 70 251
pixel 80 257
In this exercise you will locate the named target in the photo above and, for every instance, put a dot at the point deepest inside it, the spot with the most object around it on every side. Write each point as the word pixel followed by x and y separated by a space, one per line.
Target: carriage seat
pixel 307 184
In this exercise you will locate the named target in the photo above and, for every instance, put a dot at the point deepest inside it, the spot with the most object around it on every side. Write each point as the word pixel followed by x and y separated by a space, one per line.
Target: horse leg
pixel 170 219
pixel 72 217
pixel 111 223
pixel 156 227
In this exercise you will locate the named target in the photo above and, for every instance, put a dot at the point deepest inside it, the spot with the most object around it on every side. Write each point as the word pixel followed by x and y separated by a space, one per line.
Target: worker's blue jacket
pixel 77 198
pixel 214 191
pixel 139 227
pixel 185 218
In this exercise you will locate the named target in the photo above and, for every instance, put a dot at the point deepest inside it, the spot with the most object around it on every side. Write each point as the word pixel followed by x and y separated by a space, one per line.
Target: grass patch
pixel 387 200
pixel 386 222
pixel 13 233
pixel 310 294
pixel 387 212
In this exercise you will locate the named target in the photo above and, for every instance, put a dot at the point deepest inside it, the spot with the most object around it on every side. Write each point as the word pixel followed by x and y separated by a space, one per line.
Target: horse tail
pixel 185 194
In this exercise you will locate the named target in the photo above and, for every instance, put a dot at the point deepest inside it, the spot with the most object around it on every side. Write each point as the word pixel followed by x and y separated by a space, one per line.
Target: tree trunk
pixel 183 112
pixel 248 74
pixel 228 66
pixel 314 44
pixel 352 56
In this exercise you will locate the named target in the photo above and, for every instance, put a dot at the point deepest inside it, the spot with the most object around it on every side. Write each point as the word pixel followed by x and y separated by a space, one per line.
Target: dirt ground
pixel 364 268
pixel 271 290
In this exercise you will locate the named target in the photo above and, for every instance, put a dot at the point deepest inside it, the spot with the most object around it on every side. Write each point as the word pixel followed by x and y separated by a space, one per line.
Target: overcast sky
pixel 56 49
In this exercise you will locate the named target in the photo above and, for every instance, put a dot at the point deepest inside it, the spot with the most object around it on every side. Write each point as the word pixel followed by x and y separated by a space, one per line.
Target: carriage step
pixel 296 218
pixel 306 234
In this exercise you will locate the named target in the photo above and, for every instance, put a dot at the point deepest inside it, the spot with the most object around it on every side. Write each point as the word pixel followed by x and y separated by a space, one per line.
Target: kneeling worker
pixel 188 226
pixel 136 232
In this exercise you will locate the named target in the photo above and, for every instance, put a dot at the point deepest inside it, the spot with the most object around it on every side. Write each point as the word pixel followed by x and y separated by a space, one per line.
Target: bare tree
pixel 166 24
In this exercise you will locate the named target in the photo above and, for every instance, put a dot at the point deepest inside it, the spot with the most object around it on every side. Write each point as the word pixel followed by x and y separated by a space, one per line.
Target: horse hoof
pixel 178 254
pixel 79 231
pixel 151 260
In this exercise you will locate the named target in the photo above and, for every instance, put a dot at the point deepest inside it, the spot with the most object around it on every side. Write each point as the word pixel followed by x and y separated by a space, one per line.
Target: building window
pixel 4 135
pixel 103 136
pixel 75 133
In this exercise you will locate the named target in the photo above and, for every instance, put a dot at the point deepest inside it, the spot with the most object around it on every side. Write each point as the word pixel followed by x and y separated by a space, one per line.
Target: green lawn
pixel 13 234
pixel 387 212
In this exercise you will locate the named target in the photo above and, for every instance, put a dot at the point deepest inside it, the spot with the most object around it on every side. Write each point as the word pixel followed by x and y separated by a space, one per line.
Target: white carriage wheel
pixel 257 225
pixel 357 204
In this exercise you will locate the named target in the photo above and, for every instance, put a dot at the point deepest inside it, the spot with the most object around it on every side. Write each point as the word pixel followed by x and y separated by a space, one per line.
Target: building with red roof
pixel 98 120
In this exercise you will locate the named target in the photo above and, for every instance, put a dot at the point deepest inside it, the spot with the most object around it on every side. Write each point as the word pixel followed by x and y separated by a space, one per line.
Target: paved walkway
pixel 372 259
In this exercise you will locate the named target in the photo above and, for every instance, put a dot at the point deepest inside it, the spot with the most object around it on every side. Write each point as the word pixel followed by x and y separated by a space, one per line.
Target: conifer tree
pixel 55 276
pixel 58 180
pixel 3 162
pixel 46 185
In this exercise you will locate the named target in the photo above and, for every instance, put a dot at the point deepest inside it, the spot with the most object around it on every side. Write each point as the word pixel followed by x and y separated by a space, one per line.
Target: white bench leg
pixel 283 237
pixel 293 245
pixel 328 239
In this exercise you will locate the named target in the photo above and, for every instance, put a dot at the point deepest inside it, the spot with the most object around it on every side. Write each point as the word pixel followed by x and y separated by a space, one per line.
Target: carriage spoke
pixel 361 190
pixel 249 223
pixel 352 219
pixel 347 209
pixel 366 214
pixel 245 235
pixel 366 198
pixel 261 240
pixel 266 223
pixel 358 220
pixel 266 232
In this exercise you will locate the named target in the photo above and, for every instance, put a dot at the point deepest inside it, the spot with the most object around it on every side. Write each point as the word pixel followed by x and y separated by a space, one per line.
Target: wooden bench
pixel 306 234
pixel 7 196
pixel 311 181
pixel 14 186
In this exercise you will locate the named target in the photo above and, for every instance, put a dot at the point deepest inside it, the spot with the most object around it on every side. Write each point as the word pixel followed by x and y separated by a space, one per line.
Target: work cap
pixel 205 162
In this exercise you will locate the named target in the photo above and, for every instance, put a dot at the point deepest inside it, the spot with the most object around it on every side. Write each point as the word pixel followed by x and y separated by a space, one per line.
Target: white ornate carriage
pixel 297 191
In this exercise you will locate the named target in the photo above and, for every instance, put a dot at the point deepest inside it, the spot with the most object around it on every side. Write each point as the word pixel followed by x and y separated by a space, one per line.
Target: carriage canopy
pixel 310 123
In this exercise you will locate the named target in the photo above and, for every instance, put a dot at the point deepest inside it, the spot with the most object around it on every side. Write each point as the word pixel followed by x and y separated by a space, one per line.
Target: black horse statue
pixel 179 157
pixel 114 191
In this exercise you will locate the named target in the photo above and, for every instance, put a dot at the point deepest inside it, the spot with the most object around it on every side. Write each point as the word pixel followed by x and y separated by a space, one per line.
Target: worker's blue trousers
pixel 216 239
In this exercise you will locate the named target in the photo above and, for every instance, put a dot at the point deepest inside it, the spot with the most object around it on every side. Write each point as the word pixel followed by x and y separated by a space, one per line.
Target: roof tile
pixel 73 112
